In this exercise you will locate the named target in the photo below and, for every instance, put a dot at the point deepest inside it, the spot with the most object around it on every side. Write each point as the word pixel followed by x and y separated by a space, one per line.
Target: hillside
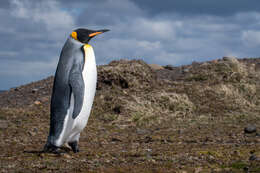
pixel 146 118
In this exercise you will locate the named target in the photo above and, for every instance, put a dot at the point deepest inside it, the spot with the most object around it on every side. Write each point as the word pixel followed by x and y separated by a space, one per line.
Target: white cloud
pixel 154 29
pixel 165 41
pixel 47 13
pixel 33 33
pixel 182 39
pixel 148 46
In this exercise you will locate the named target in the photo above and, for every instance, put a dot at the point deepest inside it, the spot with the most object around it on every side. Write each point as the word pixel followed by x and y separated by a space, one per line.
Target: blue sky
pixel 163 32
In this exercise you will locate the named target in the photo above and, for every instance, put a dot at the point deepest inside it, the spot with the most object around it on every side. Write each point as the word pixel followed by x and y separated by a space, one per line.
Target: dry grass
pixel 159 119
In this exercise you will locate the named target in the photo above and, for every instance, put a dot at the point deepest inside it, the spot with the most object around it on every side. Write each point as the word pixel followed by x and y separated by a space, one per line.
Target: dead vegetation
pixel 145 118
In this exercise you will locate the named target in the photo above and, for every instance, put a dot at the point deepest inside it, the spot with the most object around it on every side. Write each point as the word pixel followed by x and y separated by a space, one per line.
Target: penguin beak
pixel 98 32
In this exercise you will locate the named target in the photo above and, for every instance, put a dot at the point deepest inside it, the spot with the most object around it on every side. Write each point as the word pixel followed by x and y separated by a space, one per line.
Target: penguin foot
pixel 49 148
pixel 74 146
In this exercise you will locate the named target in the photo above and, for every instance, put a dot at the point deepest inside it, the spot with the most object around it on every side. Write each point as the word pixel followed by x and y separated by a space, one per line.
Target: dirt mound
pixel 135 92
pixel 126 74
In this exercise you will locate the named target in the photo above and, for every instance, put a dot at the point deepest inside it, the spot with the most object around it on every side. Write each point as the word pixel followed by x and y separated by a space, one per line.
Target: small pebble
pixel 169 67
pixel 3 124
pixel 67 156
pixel 31 133
pixel 230 58
pixel 250 129
pixel 142 131
pixel 186 70
pixel 34 90
pixel 246 169
pixel 37 102
pixel 252 158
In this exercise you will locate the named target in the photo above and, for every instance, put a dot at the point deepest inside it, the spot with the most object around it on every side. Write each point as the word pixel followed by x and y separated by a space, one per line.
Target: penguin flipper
pixel 77 85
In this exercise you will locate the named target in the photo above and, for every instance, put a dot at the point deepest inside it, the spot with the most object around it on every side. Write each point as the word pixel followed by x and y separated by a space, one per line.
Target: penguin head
pixel 84 35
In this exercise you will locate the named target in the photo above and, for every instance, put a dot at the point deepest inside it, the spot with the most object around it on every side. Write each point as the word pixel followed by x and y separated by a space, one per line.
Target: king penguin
pixel 73 90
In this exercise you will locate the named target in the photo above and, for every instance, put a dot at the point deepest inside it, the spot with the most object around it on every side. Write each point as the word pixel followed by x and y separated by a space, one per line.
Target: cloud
pixel 173 32
pixel 182 40
pixel 32 34
pixel 107 12
pixel 198 7
pixel 45 13
pixel 37 28
pixel 251 38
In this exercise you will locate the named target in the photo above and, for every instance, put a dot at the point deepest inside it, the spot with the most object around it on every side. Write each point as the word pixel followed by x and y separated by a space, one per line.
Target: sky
pixel 175 32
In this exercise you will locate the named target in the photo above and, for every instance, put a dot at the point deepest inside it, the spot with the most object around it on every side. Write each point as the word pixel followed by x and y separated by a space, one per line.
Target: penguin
pixel 73 90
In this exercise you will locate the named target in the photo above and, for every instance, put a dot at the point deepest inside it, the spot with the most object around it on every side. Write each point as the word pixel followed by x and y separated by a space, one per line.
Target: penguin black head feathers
pixel 84 35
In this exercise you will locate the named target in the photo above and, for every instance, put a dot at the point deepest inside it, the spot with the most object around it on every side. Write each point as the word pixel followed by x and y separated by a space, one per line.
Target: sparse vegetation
pixel 144 119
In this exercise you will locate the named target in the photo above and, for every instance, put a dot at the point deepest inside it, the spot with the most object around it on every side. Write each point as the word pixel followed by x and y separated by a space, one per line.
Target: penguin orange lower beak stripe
pixel 95 33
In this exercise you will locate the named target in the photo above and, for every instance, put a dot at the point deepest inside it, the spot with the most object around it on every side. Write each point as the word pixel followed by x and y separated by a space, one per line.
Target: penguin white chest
pixel 89 74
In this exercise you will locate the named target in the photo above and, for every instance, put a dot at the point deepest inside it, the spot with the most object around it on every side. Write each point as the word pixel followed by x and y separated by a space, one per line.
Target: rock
pixel 31 133
pixel 186 70
pixel 117 109
pixel 180 131
pixel 142 131
pixel 205 64
pixel 35 129
pixel 35 90
pixel 115 139
pixel 211 157
pixel 216 170
pixel 184 172
pixel 250 129
pixel 214 61
pixel 198 170
pixel 148 139
pixel 67 156
pixel 149 150
pixel 252 158
pixel 257 140
pixel 230 58
pixel 169 67
pixel 37 102
pixel 155 66
pixel 152 160
pixel 3 124
pixel 246 169
pixel 45 99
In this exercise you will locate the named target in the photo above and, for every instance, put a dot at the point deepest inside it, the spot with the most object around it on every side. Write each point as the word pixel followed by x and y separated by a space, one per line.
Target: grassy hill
pixel 145 118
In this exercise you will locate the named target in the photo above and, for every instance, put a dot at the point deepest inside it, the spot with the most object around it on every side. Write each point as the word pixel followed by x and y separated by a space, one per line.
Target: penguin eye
pixel 74 35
